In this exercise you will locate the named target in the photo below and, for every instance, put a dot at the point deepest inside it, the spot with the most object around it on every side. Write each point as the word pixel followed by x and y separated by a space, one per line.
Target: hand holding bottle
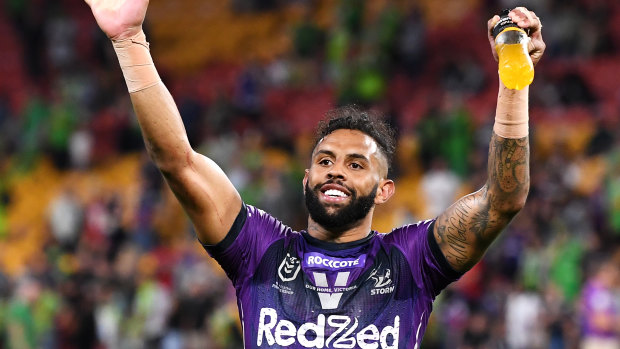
pixel 516 52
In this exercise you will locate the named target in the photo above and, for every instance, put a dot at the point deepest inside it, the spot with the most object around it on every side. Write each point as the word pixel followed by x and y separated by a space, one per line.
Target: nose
pixel 336 172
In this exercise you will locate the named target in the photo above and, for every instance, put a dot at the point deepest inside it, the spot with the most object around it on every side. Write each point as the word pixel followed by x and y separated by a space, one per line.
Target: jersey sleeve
pixel 244 245
pixel 429 267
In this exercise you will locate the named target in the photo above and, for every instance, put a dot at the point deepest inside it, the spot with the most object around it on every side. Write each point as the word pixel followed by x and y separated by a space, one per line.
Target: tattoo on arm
pixel 509 166
pixel 467 228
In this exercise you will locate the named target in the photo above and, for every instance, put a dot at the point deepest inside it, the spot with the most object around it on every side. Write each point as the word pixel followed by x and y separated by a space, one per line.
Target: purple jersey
pixel 597 300
pixel 294 291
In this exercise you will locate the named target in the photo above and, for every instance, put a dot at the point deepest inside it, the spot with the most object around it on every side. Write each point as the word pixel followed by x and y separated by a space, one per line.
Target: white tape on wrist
pixel 512 115
pixel 136 62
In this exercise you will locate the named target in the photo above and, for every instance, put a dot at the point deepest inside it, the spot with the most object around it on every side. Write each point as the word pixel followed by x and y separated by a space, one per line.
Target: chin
pixel 334 209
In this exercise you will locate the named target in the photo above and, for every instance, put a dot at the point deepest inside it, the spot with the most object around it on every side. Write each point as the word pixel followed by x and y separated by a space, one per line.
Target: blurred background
pixel 96 253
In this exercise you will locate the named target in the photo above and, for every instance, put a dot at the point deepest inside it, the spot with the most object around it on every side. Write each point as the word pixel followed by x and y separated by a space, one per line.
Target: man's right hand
pixel 525 19
pixel 119 19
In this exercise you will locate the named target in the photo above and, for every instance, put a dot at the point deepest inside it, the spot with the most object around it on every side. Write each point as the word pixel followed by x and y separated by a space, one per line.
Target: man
pixel 338 284
pixel 20 315
pixel 600 308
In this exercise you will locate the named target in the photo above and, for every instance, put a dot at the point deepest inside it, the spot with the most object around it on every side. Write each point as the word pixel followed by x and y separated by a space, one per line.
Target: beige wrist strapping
pixel 511 115
pixel 136 62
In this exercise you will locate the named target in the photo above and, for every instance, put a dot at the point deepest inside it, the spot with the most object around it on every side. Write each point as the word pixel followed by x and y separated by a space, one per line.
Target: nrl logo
pixel 289 268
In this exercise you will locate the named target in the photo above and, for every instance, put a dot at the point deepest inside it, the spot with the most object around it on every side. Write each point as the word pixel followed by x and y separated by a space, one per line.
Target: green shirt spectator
pixel 20 326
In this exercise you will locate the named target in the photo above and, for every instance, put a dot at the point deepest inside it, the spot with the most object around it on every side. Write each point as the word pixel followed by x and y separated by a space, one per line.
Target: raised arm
pixel 467 228
pixel 203 189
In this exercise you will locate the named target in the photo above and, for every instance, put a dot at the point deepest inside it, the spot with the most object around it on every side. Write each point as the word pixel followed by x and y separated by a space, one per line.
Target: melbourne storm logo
pixel 289 268
pixel 383 282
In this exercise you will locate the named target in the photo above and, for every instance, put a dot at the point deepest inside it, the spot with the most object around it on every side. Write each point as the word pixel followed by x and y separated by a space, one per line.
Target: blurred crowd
pixel 96 253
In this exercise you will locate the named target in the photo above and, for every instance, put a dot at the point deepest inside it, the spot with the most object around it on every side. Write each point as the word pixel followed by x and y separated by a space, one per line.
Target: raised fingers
pixel 525 18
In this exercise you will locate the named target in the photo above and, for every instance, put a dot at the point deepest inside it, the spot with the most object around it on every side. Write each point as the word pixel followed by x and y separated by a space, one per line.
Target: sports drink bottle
pixel 515 64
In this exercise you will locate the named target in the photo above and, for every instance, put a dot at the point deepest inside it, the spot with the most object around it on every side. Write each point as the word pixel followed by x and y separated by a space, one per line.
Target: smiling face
pixel 347 177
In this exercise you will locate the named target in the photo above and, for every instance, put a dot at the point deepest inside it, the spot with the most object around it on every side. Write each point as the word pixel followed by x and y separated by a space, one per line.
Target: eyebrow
pixel 358 156
pixel 332 154
pixel 325 152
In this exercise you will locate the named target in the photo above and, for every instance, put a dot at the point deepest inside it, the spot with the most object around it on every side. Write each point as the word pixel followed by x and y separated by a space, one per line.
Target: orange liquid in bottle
pixel 515 65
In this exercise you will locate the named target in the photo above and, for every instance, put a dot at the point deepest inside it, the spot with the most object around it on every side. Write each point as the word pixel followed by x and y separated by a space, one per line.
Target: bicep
pixel 207 195
pixel 465 229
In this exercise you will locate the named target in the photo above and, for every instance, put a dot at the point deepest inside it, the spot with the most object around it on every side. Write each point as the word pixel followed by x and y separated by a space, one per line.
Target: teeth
pixel 334 192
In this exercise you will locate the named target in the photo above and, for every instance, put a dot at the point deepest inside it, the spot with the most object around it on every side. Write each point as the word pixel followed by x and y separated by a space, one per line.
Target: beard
pixel 344 217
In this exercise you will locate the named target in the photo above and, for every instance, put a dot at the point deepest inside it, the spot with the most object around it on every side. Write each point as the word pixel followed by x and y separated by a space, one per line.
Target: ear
pixel 385 191
pixel 305 180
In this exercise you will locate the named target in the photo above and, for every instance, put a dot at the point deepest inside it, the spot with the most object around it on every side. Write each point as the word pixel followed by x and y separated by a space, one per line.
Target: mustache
pixel 331 181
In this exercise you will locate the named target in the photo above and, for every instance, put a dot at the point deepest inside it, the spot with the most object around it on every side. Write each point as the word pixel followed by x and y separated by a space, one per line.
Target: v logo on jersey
pixel 330 300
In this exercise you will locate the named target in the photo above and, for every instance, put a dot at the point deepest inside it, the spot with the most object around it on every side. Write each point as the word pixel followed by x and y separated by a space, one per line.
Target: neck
pixel 356 232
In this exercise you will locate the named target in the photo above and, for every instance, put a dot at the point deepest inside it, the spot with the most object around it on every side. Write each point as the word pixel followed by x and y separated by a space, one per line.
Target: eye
pixel 325 162
pixel 356 166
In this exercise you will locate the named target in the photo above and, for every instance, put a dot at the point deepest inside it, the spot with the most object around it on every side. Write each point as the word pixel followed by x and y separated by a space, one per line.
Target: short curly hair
pixel 371 123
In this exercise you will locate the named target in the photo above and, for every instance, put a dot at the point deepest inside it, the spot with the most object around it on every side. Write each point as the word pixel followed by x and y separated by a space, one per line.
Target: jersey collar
pixel 336 246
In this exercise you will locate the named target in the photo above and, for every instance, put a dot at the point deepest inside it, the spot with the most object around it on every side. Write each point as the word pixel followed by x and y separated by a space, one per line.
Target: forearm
pixel 207 195
pixel 162 128
pixel 508 164
pixel 202 188
pixel 467 228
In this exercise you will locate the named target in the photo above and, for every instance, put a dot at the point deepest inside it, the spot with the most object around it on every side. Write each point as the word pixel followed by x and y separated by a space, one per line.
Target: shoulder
pixel 252 229
pixel 417 242
pixel 257 219
pixel 408 231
